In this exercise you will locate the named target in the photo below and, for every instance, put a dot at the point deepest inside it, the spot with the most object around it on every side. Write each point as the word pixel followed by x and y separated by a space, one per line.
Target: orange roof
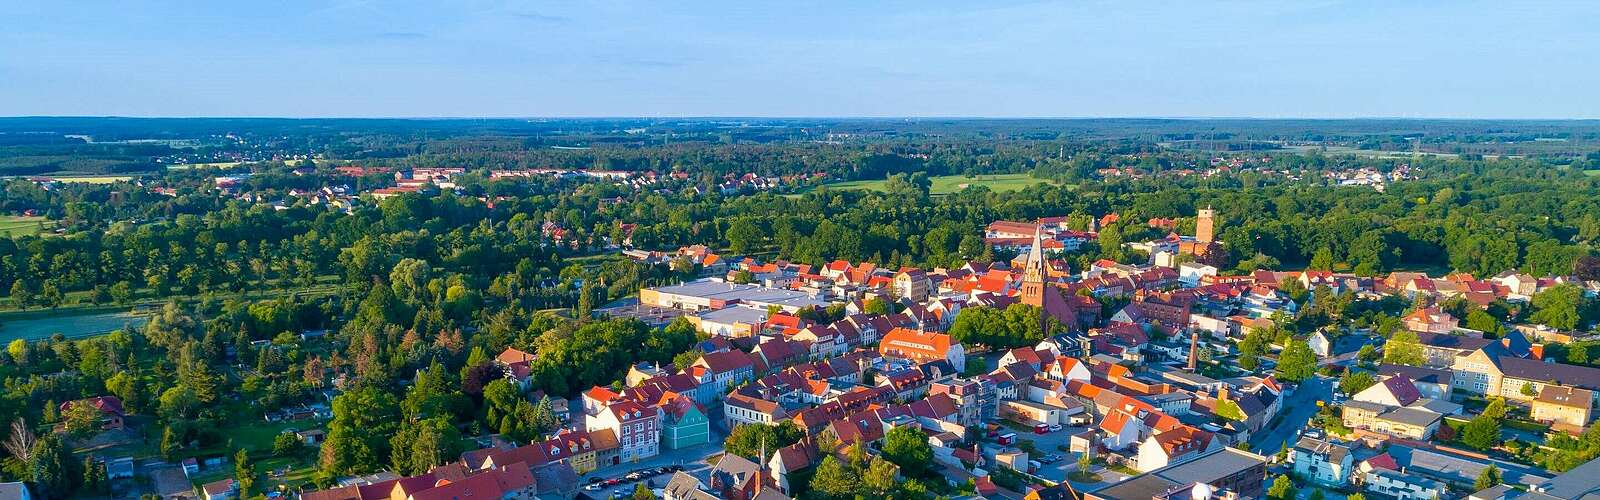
pixel 917 342
pixel 1115 421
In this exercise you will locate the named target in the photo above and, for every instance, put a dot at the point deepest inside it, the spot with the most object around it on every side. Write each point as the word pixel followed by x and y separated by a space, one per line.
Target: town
pixel 828 320
pixel 1020 379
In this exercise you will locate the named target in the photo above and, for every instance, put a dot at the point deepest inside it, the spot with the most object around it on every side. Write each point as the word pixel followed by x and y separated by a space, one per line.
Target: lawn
pixel 17 225
pixel 948 184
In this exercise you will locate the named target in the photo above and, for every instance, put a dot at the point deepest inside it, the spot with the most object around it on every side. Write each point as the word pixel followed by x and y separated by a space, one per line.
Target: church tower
pixel 1033 273
pixel 1205 225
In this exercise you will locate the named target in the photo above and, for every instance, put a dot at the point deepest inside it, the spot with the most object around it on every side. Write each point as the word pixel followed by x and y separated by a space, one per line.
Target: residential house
pixel 1568 408
pixel 1430 320
pixel 1393 484
pixel 516 365
pixel 1392 391
pixel 1431 383
pixel 922 346
pixel 108 407
pixel 1177 445
pixel 220 490
pixel 1324 462
pixel 637 427
pixel 912 284
pixel 1405 422
pixel 723 370
pixel 740 408
pixel 683 423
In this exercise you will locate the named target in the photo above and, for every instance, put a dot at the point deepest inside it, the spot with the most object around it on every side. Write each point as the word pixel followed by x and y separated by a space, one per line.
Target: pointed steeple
pixel 1036 251
pixel 1033 274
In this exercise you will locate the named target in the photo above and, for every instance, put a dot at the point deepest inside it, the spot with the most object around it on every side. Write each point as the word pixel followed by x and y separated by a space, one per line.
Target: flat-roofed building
pixel 708 294
pixel 1225 470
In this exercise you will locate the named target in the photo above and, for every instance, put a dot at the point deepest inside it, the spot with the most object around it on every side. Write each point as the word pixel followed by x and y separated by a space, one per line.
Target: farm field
pixel 71 326
pixel 948 184
pixel 18 225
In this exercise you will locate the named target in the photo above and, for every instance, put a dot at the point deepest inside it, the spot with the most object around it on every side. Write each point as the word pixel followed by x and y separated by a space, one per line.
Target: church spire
pixel 1036 257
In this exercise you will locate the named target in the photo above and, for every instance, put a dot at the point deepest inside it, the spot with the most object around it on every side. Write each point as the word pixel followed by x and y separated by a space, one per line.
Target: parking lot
pixel 691 460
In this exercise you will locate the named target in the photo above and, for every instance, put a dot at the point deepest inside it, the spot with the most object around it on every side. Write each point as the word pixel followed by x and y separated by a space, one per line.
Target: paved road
pixel 1297 410
pixel 692 459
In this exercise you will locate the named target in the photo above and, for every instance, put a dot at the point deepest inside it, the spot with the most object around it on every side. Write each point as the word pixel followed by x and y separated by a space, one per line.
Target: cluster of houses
pixel 1127 397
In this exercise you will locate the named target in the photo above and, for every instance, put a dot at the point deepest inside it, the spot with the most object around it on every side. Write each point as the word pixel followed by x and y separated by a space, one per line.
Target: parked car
pixel 1055 427
pixel 1007 438
pixel 1041 429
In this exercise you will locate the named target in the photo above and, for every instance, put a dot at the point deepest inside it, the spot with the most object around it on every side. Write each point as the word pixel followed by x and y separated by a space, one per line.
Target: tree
pixel 743 236
pixel 358 436
pixel 1560 307
pixel 170 444
pixel 1282 488
pixel 285 443
pixel 747 440
pixel 81 419
pixel 1528 390
pixel 1322 260
pixel 1297 362
pixel 19 443
pixel 908 448
pixel 20 295
pixel 1355 381
pixel 1488 478
pixel 1317 494
pixel 1404 348
pixel 834 480
pixel 94 476
pixel 879 478
pixel 1482 432
pixel 1482 321
pixel 18 350
pixel 51 466
pixel 642 492
pixel 244 472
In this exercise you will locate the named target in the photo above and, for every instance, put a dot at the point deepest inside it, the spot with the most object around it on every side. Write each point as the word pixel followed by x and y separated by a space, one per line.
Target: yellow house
pixel 1566 408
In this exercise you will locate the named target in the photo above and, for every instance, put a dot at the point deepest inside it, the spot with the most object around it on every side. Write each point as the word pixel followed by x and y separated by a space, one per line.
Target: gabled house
pixel 517 366
pixel 637 427
pixel 723 370
pixel 683 423
pixel 1177 445
pixel 1324 462
pixel 1392 391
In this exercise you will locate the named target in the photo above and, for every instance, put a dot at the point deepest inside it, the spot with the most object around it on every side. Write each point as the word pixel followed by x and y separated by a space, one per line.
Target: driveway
pixel 1295 411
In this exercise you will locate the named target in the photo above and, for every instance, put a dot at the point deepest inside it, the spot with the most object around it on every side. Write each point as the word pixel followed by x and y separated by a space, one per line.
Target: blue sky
pixel 1458 59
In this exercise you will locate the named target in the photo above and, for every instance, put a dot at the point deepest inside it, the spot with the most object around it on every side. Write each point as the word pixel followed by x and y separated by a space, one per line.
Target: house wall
pixel 1546 412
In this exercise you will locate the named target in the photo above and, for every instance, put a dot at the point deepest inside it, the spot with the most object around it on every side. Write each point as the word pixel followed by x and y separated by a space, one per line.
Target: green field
pixel 947 184
pixel 17 225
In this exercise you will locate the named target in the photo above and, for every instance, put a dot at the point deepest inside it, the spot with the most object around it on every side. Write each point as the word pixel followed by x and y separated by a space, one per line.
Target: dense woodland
pixel 417 292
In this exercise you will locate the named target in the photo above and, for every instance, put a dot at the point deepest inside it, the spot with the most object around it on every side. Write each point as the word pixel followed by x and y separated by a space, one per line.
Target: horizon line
pixel 793 117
